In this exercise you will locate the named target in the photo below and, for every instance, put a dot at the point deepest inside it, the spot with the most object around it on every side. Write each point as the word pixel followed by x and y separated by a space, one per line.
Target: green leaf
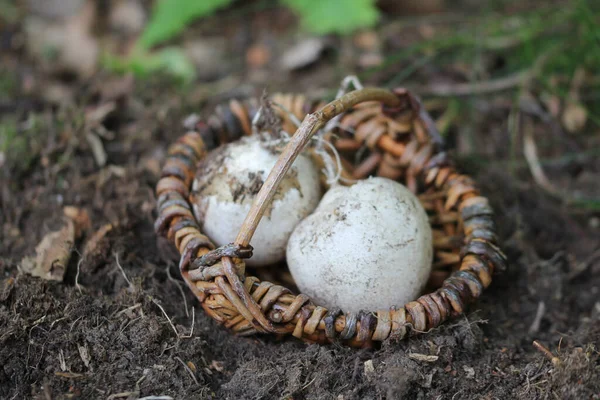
pixel 334 16
pixel 170 60
pixel 170 17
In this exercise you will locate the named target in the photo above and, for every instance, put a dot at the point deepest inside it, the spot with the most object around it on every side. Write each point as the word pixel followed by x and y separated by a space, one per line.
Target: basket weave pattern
pixel 402 144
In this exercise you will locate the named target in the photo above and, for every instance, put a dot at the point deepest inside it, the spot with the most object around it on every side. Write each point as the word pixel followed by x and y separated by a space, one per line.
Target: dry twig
pixel 535 325
pixel 187 313
pixel 77 285
pixel 188 370
pixel 131 287
pixel 549 355
pixel 166 316
pixel 533 161
pixel 477 88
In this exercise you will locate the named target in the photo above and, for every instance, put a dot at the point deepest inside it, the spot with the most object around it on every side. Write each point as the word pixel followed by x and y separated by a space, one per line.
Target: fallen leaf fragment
pixel 422 357
pixel 85 355
pixel 92 247
pixel 52 253
pixel 6 287
pixel 369 369
pixel 302 54
pixel 218 366
pixel 80 217
pixel 470 371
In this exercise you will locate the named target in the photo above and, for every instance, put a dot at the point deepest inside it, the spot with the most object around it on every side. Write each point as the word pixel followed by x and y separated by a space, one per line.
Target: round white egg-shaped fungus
pixel 366 247
pixel 227 182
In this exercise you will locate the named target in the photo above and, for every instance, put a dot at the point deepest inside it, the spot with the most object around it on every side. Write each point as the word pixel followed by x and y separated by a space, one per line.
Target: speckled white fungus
pixel 366 247
pixel 226 184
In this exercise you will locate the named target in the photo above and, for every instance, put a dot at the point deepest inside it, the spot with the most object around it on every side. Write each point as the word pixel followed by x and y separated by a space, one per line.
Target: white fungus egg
pixel 227 182
pixel 366 247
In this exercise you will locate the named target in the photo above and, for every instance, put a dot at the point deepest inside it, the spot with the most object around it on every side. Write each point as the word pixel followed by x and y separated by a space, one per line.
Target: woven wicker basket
pixel 402 144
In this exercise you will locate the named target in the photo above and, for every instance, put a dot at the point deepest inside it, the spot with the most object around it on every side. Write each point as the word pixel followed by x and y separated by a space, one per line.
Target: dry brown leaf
pixel 52 254
pixel 6 287
pixel 92 246
pixel 80 217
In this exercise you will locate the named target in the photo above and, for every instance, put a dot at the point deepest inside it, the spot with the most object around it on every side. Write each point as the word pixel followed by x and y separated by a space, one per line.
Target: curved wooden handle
pixel 311 124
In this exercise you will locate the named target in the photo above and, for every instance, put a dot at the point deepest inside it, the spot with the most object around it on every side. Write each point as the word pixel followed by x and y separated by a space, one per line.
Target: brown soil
pixel 102 333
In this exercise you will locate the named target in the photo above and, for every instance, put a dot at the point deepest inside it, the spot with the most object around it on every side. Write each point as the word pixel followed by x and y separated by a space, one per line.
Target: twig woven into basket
pixel 402 144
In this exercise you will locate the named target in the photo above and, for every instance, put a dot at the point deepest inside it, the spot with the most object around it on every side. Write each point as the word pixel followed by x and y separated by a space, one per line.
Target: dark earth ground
pixel 101 333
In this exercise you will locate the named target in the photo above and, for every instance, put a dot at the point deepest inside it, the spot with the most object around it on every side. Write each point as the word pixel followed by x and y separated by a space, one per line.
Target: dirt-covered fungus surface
pixel 88 148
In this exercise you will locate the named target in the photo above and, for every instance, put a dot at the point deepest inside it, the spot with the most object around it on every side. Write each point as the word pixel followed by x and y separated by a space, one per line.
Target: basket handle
pixel 311 124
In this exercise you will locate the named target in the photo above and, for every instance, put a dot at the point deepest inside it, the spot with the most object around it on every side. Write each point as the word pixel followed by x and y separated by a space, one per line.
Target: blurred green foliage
pixel 552 40
pixel 564 36
pixel 171 17
pixel 334 16
pixel 171 61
